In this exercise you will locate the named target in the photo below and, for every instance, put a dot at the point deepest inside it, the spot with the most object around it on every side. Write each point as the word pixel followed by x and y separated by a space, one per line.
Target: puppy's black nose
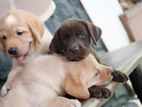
pixel 12 51
pixel 75 49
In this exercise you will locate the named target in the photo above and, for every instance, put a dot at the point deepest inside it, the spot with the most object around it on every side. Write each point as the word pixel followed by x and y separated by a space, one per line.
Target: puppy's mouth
pixel 21 58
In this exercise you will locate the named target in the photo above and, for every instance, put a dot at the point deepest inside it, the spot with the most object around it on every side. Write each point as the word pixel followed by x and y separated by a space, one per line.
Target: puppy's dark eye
pixel 65 39
pixel 4 37
pixel 19 33
pixel 81 36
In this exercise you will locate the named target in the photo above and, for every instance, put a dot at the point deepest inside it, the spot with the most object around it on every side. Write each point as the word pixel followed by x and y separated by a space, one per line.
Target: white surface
pixel 43 8
pixel 105 14
pixel 48 13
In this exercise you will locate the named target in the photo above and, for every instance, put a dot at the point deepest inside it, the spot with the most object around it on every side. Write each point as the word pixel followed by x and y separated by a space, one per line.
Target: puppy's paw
pixel 106 92
pixel 119 77
pixel 4 90
pixel 99 92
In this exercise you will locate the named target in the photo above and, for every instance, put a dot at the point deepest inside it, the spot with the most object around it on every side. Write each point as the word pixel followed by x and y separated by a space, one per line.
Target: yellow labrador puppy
pixel 21 34
pixel 43 81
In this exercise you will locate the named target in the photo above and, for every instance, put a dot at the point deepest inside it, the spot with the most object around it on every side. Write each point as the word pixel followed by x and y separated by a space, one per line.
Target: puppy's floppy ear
pixel 35 25
pixel 55 45
pixel 37 29
pixel 76 87
pixel 94 31
pixel 2 46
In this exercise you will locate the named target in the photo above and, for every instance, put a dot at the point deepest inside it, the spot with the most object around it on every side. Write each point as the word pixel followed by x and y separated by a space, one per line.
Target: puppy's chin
pixel 75 58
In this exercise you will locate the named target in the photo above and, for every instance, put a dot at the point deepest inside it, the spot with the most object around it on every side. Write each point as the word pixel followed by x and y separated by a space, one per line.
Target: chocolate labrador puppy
pixel 73 40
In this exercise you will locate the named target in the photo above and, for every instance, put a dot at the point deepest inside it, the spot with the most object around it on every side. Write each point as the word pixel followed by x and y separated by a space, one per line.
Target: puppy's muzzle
pixel 12 51
pixel 75 49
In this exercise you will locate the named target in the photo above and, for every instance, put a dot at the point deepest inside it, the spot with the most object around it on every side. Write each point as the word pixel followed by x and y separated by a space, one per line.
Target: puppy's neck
pixel 15 62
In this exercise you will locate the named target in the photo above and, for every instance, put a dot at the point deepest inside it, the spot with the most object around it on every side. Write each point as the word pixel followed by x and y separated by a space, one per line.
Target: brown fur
pixel 75 33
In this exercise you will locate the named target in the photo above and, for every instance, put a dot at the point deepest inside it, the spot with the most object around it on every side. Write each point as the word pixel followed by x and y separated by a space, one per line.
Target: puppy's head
pixel 74 37
pixel 20 33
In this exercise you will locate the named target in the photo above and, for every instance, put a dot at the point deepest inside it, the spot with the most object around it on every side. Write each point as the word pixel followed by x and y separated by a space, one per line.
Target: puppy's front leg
pixel 99 92
pixel 119 76
pixel 12 74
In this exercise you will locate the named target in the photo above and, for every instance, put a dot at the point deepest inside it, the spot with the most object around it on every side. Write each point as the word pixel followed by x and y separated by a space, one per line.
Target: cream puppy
pixel 21 34
pixel 43 81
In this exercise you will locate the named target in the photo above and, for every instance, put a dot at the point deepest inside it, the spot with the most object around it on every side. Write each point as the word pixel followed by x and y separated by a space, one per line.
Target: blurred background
pixel 120 21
